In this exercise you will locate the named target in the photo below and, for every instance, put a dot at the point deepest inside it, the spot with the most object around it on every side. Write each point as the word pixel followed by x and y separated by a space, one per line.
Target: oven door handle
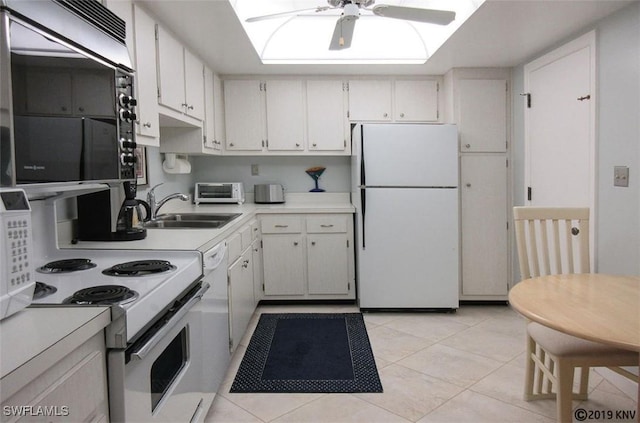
pixel 142 352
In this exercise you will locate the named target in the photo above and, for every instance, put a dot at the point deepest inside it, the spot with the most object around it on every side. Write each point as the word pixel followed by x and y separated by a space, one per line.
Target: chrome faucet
pixel 155 205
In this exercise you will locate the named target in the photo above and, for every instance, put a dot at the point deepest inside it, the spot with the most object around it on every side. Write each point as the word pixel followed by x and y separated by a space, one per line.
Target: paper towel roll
pixel 174 164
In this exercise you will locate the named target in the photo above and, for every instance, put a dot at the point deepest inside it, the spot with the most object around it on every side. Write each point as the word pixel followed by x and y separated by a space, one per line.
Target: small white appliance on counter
pixel 405 189
pixel 219 192
pixel 17 282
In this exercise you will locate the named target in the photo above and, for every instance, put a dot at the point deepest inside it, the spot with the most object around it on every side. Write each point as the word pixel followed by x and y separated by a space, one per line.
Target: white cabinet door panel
pixel 370 100
pixel 170 71
pixel 194 85
pixel 147 77
pixel 244 122
pixel 326 116
pixel 416 101
pixel 484 225
pixel 483 115
pixel 327 264
pixel 285 115
pixel 283 261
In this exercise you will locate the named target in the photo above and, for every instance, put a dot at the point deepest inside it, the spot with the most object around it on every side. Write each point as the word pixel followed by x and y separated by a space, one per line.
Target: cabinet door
pixel 93 93
pixel 370 100
pixel 484 224
pixel 256 252
pixel 241 299
pixel 209 107
pixel 146 82
pixel 283 261
pixel 482 119
pixel 194 85
pixel 416 101
pixel 48 93
pixel 285 115
pixel 170 71
pixel 326 116
pixel 327 265
pixel 244 105
pixel 218 113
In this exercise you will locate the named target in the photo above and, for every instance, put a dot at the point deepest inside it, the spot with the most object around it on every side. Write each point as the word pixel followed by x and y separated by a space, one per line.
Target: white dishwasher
pixel 215 319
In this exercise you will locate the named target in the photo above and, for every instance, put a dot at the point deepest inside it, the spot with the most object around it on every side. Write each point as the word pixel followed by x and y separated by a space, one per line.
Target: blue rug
pixel 308 352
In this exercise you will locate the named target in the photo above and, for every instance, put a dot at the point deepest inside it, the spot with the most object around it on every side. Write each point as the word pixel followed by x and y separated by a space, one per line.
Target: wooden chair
pixel 556 241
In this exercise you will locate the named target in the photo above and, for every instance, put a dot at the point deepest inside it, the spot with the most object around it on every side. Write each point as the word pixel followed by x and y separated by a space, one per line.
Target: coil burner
pixel 103 295
pixel 67 265
pixel 42 290
pixel 139 268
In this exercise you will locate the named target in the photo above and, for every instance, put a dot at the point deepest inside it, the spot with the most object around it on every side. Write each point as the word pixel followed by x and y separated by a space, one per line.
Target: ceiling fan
pixel 343 32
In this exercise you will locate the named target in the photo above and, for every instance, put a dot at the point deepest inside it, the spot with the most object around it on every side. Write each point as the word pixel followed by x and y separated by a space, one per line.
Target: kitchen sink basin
pixel 191 220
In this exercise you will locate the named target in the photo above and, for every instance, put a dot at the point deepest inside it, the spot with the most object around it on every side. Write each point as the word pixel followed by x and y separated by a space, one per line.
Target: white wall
pixel 618 139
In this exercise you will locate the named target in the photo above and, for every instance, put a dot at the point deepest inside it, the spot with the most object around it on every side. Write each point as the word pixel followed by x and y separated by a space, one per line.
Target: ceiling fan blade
pixel 291 12
pixel 438 17
pixel 343 33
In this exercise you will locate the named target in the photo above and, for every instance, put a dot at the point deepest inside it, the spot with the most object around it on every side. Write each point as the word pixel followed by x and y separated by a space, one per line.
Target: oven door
pixel 161 379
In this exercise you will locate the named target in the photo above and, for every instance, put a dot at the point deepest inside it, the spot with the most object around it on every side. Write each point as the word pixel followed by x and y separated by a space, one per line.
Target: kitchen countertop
pixel 42 336
pixel 203 239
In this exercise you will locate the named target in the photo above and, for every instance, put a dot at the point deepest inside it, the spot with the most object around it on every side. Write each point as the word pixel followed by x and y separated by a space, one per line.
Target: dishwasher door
pixel 214 309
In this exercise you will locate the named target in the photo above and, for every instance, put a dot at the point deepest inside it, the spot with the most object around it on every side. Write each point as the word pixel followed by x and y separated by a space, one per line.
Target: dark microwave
pixel 67 94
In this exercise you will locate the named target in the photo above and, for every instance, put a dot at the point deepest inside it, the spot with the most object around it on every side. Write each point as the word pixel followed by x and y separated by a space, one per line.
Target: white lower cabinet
pixel 484 218
pixel 74 389
pixel 243 262
pixel 307 256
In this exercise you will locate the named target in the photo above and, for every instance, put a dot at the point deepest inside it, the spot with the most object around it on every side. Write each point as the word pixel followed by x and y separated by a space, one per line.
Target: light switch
pixel 621 176
pixel 255 170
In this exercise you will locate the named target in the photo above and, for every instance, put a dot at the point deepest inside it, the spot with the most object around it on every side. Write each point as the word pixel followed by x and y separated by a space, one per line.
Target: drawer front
pixel 281 225
pixel 326 224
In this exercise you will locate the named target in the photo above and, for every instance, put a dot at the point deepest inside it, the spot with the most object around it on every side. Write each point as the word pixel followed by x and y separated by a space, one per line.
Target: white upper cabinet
pixel 416 101
pixel 181 77
pixel 193 85
pixel 327 128
pixel 244 115
pixel 482 115
pixel 146 82
pixel 213 122
pixel 398 100
pixel 285 115
pixel 370 100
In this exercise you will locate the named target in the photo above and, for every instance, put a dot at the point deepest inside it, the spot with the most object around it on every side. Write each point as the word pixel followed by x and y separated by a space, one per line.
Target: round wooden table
pixel 594 306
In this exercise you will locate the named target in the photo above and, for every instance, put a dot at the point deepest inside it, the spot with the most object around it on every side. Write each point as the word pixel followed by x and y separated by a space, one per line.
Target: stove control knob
pixel 127 115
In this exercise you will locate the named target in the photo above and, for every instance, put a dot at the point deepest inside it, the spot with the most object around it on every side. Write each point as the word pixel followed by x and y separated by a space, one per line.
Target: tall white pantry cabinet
pixel 477 100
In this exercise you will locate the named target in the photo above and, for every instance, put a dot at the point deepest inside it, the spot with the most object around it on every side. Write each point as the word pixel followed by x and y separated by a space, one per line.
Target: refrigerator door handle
pixel 363 207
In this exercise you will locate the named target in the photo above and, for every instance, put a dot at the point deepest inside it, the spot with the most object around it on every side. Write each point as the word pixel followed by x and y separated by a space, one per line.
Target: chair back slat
pixel 552 240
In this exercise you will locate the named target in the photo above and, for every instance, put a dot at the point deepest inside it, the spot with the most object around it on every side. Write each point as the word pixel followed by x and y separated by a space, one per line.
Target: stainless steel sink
pixel 191 220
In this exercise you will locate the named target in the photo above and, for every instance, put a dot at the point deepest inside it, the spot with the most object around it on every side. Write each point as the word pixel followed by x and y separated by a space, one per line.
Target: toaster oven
pixel 219 192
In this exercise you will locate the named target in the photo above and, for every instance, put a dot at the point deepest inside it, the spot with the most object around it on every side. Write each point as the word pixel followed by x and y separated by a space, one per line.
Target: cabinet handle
pixel 467 146
pixel 231 144
pixel 190 107
pixel 147 124
pixel 63 108
pixel 297 145
pixel 313 243
pixel 326 226
pixel 295 243
pixel 401 115
pixel 281 226
pixel 468 185
pixel 184 104
pixel 81 109
pixel 385 115
pixel 245 264
pixel 314 144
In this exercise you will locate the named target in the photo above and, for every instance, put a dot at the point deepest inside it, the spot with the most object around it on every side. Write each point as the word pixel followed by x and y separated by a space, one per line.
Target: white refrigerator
pixel 405 189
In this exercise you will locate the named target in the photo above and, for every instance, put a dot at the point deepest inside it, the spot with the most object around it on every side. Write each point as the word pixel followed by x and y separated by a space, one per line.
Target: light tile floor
pixel 466 366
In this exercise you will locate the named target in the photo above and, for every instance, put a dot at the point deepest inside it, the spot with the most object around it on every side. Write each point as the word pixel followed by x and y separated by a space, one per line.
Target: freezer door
pixel 410 155
pixel 410 257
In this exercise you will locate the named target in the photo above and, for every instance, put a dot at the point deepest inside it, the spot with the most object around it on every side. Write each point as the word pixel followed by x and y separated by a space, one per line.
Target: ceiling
pixel 501 33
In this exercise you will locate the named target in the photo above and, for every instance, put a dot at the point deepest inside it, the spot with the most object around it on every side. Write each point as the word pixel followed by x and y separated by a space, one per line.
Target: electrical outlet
pixel 621 176
pixel 255 170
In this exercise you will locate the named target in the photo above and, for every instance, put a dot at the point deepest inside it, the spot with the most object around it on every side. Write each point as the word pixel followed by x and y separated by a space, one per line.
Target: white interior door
pixel 560 157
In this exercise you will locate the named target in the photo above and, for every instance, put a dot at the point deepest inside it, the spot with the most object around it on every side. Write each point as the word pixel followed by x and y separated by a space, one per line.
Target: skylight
pixel 304 37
